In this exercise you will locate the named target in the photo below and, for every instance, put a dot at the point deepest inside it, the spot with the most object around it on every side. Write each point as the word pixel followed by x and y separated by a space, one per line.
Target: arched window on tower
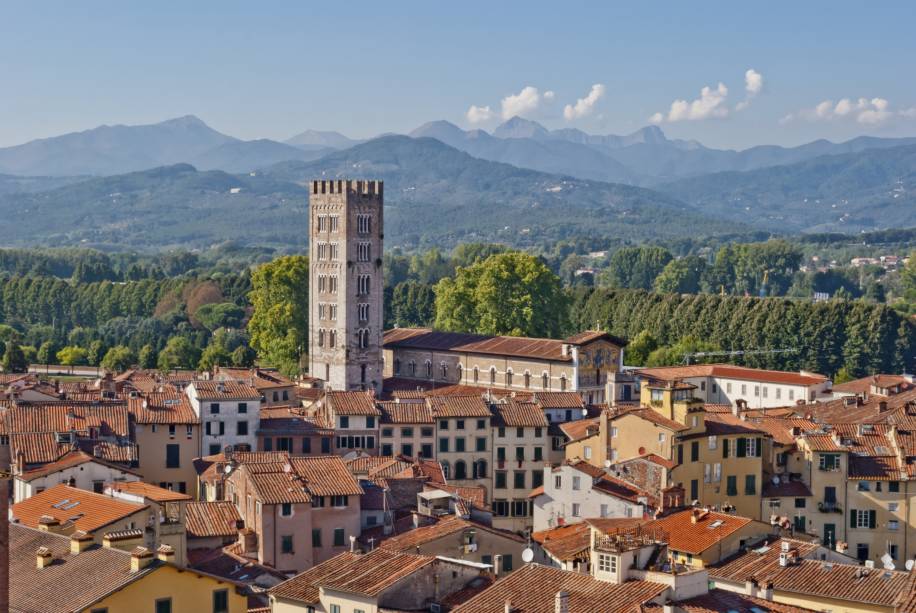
pixel 563 382
pixel 397 366
pixel 429 369
pixel 527 379
pixel 545 380
pixel 492 375
pixel 443 370
pixel 476 374
pixel 509 378
pixel 461 470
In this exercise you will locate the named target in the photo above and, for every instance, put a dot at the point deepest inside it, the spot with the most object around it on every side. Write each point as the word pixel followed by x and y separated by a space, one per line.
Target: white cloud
pixel 909 113
pixel 479 114
pixel 710 104
pixel 865 111
pixel 549 95
pixel 526 101
pixel 753 85
pixel 753 82
pixel 584 106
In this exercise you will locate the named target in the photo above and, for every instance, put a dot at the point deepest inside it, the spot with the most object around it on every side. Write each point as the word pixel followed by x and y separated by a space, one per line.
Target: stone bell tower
pixel 345 283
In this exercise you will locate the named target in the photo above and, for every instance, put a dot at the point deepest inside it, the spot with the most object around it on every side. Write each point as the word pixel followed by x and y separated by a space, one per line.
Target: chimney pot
pixel 80 542
pixel 561 602
pixel 43 557
pixel 140 558
pixel 166 553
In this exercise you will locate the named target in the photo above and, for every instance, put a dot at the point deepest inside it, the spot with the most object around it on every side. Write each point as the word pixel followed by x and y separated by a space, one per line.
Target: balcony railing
pixel 620 540
pixel 829 507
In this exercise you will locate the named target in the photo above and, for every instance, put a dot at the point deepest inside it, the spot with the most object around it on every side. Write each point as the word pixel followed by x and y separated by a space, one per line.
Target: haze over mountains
pixel 520 184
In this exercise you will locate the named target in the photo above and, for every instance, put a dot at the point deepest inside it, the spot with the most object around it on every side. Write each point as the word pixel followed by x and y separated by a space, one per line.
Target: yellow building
pixel 719 462
pixel 57 574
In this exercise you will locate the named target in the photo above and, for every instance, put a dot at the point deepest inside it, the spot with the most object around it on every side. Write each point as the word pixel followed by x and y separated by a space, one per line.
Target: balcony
pixel 829 507
pixel 620 541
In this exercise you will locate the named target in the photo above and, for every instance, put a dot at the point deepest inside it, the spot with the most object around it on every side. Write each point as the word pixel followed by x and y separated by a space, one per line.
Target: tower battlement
pixel 348 186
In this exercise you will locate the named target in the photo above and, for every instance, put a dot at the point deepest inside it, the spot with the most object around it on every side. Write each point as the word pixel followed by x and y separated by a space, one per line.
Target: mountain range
pixel 435 195
pixel 180 182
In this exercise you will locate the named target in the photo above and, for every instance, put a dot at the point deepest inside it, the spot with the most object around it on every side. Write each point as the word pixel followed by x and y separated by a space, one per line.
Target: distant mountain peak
pixel 322 138
pixel 185 120
pixel 519 127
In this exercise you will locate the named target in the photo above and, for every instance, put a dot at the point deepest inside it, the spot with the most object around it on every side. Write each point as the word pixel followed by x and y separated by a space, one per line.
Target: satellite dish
pixel 889 566
pixel 910 564
pixel 227 468
pixel 607 463
pixel 527 555
pixel 584 411
pixel 887 559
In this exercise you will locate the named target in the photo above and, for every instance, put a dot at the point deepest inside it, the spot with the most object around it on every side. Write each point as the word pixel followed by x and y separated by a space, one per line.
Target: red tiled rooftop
pixel 86 510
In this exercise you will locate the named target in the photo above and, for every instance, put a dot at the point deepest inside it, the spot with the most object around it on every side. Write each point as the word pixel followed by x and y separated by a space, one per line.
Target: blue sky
pixel 271 69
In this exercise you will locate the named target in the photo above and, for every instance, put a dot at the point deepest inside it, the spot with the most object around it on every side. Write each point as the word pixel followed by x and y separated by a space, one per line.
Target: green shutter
pixel 871 519
pixel 725 448
pixel 852 518
pixel 759 447
pixel 742 447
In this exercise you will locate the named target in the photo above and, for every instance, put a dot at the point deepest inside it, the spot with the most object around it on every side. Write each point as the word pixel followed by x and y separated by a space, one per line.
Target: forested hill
pixel 867 190
pixel 435 195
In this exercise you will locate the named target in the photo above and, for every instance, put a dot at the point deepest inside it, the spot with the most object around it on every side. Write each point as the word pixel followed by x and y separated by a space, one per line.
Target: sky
pixel 728 74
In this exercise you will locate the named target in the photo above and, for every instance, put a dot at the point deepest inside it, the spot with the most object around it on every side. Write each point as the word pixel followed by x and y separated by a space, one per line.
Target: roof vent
pixel 43 557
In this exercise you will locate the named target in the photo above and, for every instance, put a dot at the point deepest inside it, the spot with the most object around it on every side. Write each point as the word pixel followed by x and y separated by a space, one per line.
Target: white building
pixel 573 492
pixel 76 469
pixel 228 413
pixel 737 385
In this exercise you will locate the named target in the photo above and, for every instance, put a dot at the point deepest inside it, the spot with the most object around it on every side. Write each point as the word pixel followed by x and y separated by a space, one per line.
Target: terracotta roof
pixel 722 424
pixel 559 400
pixel 518 346
pixel 371 573
pixel 326 476
pixel 38 447
pixel 782 429
pixel 762 558
pixel 821 442
pixel 475 494
pixel 406 413
pixel 352 403
pixel 695 538
pixel 148 491
pixel 720 601
pixel 533 588
pixel 589 336
pixel 273 484
pixel 206 519
pixel 849 582
pixel 565 542
pixel 83 509
pixel 516 414
pixel 864 385
pixel 620 489
pixel 291 420
pixel 69 460
pixel 224 390
pixel 162 408
pixel 364 574
pixel 652 416
pixel 305 586
pixel 730 371
pixel 108 419
pixel 579 429
pixel 377 466
pixel 458 406
pixel 451 524
pixel 71 582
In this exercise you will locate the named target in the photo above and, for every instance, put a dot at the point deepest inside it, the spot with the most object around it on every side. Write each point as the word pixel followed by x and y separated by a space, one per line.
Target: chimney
pixel 750 588
pixel 43 558
pixel 352 543
pixel 561 602
pixel 80 541
pixel 497 564
pixel 140 558
pixel 507 607
pixel 668 608
pixel 767 593
pixel 47 523
pixel 166 553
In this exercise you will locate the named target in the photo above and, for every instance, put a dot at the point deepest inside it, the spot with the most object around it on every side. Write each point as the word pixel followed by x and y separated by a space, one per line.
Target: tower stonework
pixel 345 283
